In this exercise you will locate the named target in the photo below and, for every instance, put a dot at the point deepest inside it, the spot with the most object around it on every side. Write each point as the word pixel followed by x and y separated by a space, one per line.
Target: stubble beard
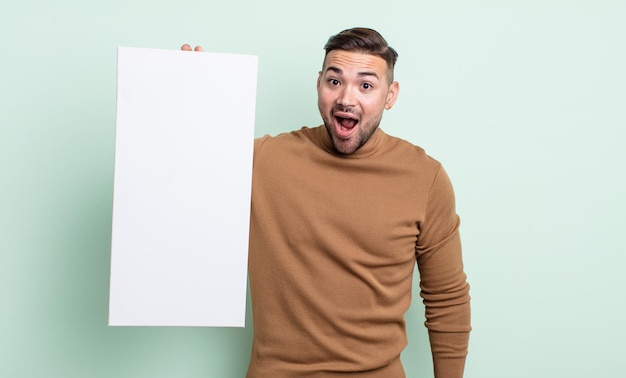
pixel 350 145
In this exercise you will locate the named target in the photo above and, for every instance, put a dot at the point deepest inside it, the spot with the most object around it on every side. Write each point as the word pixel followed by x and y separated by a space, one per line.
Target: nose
pixel 346 97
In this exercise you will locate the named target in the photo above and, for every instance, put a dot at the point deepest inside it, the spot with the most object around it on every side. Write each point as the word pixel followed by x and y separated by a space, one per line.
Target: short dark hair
pixel 364 40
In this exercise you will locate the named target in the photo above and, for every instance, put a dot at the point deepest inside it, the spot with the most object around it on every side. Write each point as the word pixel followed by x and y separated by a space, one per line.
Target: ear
pixel 319 80
pixel 392 94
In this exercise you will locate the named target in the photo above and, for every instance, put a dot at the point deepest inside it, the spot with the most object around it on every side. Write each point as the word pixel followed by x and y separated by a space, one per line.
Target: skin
pixel 353 91
pixel 186 47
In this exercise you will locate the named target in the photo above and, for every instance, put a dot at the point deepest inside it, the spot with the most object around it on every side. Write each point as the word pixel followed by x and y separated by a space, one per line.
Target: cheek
pixel 324 99
pixel 374 107
pixel 322 105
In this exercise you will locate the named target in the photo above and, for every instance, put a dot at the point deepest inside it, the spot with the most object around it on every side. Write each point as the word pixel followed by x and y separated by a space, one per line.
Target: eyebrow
pixel 339 71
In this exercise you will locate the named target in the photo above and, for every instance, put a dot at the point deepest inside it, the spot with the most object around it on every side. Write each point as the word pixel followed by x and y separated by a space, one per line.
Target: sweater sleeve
pixel 443 284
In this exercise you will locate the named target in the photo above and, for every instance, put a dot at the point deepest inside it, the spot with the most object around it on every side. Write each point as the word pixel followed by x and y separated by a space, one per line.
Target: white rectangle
pixel 181 205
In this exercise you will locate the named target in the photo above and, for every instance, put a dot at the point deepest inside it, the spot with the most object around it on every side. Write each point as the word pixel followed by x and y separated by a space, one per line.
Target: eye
pixel 333 82
pixel 366 86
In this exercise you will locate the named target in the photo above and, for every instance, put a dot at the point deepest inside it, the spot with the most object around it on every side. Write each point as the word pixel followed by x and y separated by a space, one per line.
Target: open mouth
pixel 345 125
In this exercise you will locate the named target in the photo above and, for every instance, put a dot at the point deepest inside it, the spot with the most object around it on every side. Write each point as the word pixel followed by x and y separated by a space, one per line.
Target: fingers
pixel 187 47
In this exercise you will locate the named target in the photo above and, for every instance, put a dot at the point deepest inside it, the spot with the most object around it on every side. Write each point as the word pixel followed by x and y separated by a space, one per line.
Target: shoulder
pixel 286 137
pixel 408 153
pixel 286 141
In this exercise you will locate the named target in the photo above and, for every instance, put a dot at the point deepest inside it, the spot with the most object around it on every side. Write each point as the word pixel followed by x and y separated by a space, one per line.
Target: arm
pixel 443 281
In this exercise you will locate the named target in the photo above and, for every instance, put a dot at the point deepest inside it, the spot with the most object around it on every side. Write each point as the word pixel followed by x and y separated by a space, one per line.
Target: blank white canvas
pixel 181 205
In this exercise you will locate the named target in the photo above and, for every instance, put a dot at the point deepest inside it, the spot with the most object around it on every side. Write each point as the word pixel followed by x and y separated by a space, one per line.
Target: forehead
pixel 354 62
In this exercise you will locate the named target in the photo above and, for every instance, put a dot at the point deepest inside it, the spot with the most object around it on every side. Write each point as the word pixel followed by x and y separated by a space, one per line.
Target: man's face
pixel 353 90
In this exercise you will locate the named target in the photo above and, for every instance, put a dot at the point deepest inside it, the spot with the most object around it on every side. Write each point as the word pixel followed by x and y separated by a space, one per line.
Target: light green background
pixel 523 102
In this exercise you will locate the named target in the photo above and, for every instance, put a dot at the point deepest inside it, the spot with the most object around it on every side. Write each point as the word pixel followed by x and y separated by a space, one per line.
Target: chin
pixel 346 146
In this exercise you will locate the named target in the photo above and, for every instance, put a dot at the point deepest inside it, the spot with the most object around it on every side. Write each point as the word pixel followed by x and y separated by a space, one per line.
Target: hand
pixel 187 47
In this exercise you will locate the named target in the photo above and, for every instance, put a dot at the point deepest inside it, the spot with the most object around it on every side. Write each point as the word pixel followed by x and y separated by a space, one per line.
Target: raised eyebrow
pixel 336 70
pixel 367 73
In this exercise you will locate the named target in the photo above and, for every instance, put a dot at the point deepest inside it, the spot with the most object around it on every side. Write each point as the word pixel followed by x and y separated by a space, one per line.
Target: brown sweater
pixel 333 244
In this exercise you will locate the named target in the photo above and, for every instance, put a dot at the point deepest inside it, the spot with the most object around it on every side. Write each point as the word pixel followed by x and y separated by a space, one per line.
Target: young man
pixel 340 215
